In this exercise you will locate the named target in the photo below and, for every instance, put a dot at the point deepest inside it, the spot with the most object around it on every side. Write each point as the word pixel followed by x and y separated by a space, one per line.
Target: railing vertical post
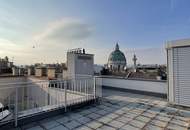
pixel 94 86
pixel 65 94
pixel 49 98
pixel 16 107
pixel 85 90
pixel 9 102
pixel 80 92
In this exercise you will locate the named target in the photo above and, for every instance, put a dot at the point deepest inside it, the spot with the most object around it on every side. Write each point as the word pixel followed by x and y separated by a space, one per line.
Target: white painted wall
pixel 141 85
pixel 79 64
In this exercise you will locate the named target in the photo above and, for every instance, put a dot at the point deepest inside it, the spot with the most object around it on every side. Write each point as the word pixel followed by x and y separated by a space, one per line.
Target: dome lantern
pixel 116 46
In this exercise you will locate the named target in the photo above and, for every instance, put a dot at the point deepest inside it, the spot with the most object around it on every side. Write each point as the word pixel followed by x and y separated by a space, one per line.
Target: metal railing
pixel 28 98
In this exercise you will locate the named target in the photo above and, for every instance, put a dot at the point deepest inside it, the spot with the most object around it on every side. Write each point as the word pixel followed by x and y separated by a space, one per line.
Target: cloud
pixel 50 45
pixel 9 47
pixel 65 30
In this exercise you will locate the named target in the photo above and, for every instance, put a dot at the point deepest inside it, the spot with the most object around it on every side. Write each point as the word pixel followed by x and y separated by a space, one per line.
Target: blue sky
pixel 53 26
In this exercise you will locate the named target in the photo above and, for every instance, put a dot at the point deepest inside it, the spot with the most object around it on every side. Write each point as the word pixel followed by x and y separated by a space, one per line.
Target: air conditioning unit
pixel 178 62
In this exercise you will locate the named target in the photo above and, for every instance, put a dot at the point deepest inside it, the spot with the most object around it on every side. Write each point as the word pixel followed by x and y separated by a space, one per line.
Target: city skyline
pixel 42 31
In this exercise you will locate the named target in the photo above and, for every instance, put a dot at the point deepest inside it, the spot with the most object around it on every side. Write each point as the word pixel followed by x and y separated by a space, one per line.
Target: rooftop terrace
pixel 118 110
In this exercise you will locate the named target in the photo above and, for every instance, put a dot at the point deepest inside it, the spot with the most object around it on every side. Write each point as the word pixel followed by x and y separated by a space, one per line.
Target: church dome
pixel 117 57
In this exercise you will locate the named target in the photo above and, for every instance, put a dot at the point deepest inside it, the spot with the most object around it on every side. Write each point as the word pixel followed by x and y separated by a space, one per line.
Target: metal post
pixel 65 90
pixel 16 107
pixel 85 90
pixel 2 111
pixel 94 87
pixel 48 95
pixel 9 105
pixel 80 92
pixel 60 96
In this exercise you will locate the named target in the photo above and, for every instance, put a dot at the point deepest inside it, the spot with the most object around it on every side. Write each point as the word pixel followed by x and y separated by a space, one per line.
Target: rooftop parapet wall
pixel 141 86
pixel 137 79
pixel 177 43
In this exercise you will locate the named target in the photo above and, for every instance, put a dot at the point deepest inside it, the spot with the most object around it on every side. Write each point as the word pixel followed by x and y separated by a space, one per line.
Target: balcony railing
pixel 28 98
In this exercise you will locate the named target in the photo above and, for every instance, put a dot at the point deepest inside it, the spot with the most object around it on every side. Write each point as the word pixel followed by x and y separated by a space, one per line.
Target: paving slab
pixel 176 127
pixel 179 122
pixel 104 120
pixel 72 124
pixel 124 119
pixel 83 128
pixel 28 126
pixel 143 119
pixel 112 116
pixel 152 127
pixel 60 128
pixel 35 128
pixel 94 124
pixel 64 119
pixel 83 120
pixel 130 115
pixel 48 124
pixel 129 127
pixel 116 124
pixel 85 112
pixel 147 114
pixel 137 123
pixel 106 128
pixel 101 112
pixel 159 123
pixel 94 116
pixel 163 118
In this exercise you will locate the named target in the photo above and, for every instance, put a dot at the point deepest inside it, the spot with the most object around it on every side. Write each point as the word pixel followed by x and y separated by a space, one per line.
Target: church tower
pixel 135 62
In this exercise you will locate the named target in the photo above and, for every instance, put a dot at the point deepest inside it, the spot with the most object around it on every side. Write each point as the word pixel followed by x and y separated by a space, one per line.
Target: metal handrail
pixel 47 94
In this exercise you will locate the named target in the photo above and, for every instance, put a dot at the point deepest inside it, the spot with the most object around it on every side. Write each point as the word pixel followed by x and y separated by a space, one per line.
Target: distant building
pixel 18 71
pixel 97 69
pixel 79 64
pixel 51 72
pixel 54 72
pixel 41 71
pixel 147 71
pixel 5 65
pixel 31 70
pixel 116 61
pixel 15 71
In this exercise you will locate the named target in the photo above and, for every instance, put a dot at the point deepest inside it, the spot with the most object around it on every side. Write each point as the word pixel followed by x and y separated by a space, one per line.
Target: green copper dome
pixel 117 56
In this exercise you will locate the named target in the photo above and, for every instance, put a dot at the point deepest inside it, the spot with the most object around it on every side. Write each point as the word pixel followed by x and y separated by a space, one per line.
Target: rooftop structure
pixel 178 43
pixel 76 50
pixel 79 63
pixel 178 55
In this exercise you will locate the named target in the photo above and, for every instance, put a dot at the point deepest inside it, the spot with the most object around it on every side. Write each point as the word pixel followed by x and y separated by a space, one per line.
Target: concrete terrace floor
pixel 118 111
